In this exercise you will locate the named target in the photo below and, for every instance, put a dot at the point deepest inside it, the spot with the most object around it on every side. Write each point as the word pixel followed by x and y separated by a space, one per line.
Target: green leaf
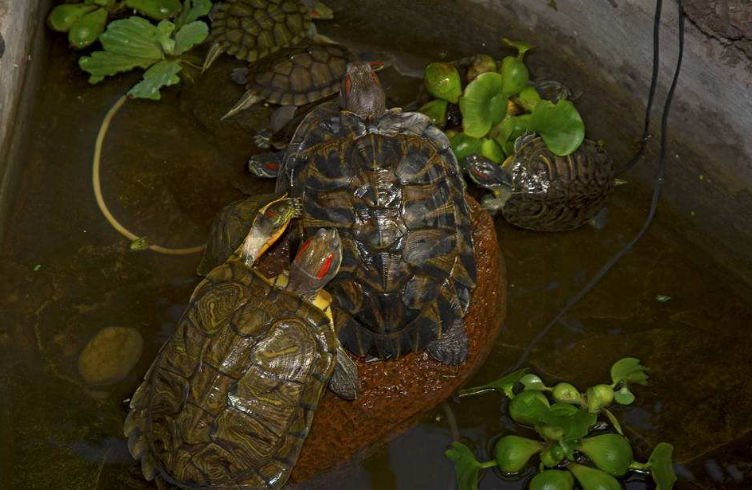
pixel 190 35
pixel 512 128
pixel 87 29
pixel 164 36
pixel 104 64
pixel 629 370
pixel 532 382
pixel 134 37
pixel 552 480
pixel 624 397
pixel 528 98
pixel 483 104
pixel 522 47
pixel 156 9
pixel 513 452
pixel 528 407
pixel 62 17
pixel 163 74
pixel 192 11
pixel 463 146
pixel 504 385
pixel 661 466
pixel 558 425
pixel 491 150
pixel 436 111
pixel 466 467
pixel 560 126
pixel 515 76
pixel 442 80
pixel 593 479
pixel 614 421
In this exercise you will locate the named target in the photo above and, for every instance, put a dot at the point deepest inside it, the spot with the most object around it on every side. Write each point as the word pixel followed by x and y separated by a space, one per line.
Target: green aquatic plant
pixel 570 428
pixel 85 21
pixel 498 105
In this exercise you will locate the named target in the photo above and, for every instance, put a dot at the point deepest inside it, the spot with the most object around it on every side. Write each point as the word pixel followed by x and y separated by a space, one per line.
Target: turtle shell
pixel 394 191
pixel 300 75
pixel 230 398
pixel 253 29
pixel 230 227
pixel 554 193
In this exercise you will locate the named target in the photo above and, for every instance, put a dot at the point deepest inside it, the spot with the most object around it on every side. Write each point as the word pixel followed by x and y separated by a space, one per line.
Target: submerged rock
pixel 110 355
pixel 396 394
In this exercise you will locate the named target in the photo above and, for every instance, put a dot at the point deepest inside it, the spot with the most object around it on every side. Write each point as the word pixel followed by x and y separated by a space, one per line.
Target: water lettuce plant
pixel 578 438
pixel 498 104
pixel 85 21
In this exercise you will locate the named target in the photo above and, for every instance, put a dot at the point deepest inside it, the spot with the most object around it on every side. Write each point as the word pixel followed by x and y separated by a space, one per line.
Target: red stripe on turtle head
pixel 325 266
pixel 303 248
pixel 272 166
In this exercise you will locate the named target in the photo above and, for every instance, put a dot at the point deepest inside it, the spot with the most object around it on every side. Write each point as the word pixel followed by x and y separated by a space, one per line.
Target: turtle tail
pixel 135 430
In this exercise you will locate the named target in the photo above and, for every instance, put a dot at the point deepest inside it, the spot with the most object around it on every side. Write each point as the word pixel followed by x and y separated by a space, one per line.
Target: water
pixel 168 167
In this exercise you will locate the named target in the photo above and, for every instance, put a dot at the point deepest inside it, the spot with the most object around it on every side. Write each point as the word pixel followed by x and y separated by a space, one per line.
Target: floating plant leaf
pixel 192 11
pixel 661 466
pixel 515 75
pixel 164 37
pixel 482 104
pixel 513 452
pixel 614 421
pixel 552 480
pixel 522 47
pixel 505 385
pixel 528 407
pixel 532 382
pixel 629 370
pixel 163 74
pixel 599 397
pixel 593 479
pixel 442 80
pixel 464 145
pixel 87 29
pixel 560 126
pixel 436 110
pixel 491 150
pixel 623 396
pixel 156 9
pixel 567 393
pixel 510 129
pixel 466 467
pixel 62 17
pixel 611 453
pixel 134 36
pixel 479 64
pixel 557 425
pixel 189 36
pixel 528 98
pixel 103 64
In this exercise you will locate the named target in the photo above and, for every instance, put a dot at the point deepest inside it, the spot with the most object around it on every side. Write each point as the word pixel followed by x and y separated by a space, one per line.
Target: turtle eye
pixel 348 84
pixel 325 266
pixel 303 248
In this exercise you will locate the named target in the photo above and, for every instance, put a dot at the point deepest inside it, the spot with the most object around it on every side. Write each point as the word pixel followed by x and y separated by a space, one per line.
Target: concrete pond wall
pixel 602 47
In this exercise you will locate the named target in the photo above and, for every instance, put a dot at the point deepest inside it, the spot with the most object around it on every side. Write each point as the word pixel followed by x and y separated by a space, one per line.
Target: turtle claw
pixel 263 138
pixel 453 347
pixel 297 206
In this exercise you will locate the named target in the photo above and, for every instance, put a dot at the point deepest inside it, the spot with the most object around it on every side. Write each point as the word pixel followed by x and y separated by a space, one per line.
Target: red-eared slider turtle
pixel 389 183
pixel 252 29
pixel 230 398
pixel 538 190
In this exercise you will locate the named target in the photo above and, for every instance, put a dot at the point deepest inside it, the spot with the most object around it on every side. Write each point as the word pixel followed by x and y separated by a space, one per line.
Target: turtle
pixel 538 190
pixel 388 181
pixel 231 396
pixel 252 29
pixel 265 217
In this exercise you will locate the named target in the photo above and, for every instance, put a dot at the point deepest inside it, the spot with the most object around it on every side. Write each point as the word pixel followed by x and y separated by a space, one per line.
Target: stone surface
pixel 110 355
pixel 394 394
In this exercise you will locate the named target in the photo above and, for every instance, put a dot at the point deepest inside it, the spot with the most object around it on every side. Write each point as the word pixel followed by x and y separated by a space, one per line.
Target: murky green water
pixel 168 167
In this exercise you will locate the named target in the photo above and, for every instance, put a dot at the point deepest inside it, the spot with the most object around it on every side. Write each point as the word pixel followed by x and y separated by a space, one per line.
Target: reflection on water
pixel 169 167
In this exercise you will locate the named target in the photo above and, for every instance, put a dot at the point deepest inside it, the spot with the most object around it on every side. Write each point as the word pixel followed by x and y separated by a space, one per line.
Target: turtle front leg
pixel 453 347
pixel 266 165
pixel 344 382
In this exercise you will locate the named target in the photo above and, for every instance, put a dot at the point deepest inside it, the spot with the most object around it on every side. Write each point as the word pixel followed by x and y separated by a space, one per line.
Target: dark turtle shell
pixel 300 75
pixel 554 193
pixel 253 29
pixel 230 227
pixel 394 191
pixel 230 398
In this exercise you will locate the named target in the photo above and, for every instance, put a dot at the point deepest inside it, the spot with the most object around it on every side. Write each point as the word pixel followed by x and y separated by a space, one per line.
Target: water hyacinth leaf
pixel 479 64
pixel 552 480
pixel 532 382
pixel 593 479
pixel 105 64
pixel 661 466
pixel 614 421
pixel 442 80
pixel 623 396
pixel 491 150
pixel 528 98
pixel 163 74
pixel 513 452
pixel 466 467
pixel 134 37
pixel 482 105
pixel 599 397
pixel 436 110
pixel 192 11
pixel 62 17
pixel 528 407
pixel 558 425
pixel 512 128
pixel 629 370
pixel 87 29
pixel 504 385
pixel 515 75
pixel 611 453
pixel 189 36
pixel 560 126
pixel 463 146
pixel 552 455
pixel 522 47
pixel 164 37
pixel 156 9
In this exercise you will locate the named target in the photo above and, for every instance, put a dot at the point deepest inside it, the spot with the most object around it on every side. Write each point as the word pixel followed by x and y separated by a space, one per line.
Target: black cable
pixel 653 86
pixel 659 180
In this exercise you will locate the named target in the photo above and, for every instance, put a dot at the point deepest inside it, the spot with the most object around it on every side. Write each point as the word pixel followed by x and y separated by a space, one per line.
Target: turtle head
pixel 316 263
pixel 361 91
pixel 271 221
pixel 486 173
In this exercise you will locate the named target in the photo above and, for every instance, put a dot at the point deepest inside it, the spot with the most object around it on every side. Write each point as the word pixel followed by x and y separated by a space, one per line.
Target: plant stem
pixel 478 390
pixel 637 466
pixel 489 464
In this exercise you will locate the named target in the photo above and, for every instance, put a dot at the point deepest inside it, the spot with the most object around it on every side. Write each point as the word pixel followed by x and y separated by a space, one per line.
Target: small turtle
pixel 388 181
pixel 231 396
pixel 538 190
pixel 252 29
pixel 264 216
